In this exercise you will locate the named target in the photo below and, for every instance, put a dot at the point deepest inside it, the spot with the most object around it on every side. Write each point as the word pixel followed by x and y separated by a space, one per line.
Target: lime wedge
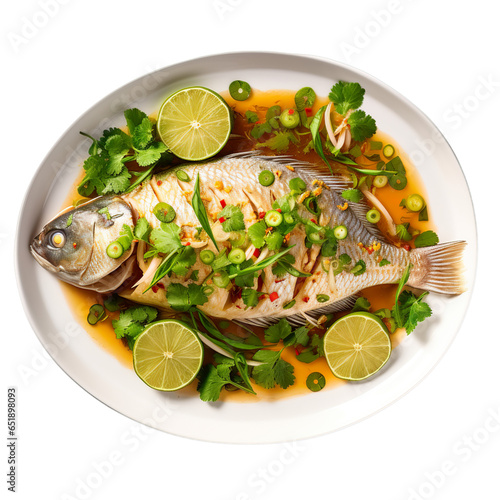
pixel 194 123
pixel 167 355
pixel 357 346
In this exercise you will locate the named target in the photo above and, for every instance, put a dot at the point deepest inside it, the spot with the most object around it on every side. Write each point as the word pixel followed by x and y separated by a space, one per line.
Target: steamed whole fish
pixel 73 245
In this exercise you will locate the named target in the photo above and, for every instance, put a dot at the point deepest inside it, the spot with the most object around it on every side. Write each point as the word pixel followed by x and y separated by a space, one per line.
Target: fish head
pixel 73 244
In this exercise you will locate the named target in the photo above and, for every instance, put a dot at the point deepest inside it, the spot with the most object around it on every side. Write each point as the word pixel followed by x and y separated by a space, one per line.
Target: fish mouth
pixel 35 249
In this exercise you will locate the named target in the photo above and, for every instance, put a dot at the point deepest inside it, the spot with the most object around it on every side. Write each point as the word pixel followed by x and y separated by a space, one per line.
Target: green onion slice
pixel 164 212
pixel 266 178
pixel 240 90
pixel 96 314
pixel 316 381
pixel 182 176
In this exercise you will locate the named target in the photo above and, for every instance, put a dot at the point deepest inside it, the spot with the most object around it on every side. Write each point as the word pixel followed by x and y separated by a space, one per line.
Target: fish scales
pixel 235 181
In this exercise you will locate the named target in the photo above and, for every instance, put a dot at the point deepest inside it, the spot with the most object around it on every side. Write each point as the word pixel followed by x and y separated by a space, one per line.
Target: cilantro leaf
pixel 346 96
pixel 143 314
pixel 274 240
pixel 302 336
pixel 101 143
pixel 142 229
pixel 212 379
pixel 308 356
pixel 361 304
pixel 317 342
pixel 250 297
pixel 117 183
pixel 418 312
pixel 182 298
pixel 363 126
pixel 354 195
pixel 134 118
pixel 279 142
pixel 274 370
pixel 166 239
pixel 233 218
pixel 142 134
pixel 256 233
pixel 183 262
pixel 278 331
pixel 426 239
pixel 384 262
pixel 132 322
pixel 266 356
pixel 263 375
pixel 118 144
pixel 408 309
pixel 260 129
pixel 283 373
pixel 151 155
pixel 210 383
pixel 251 116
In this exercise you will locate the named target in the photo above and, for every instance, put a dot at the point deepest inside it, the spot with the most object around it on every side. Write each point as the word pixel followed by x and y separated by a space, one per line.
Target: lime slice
pixel 167 355
pixel 357 346
pixel 194 123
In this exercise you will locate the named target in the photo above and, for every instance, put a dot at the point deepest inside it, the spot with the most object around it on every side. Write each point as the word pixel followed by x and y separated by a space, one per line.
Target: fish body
pixel 235 181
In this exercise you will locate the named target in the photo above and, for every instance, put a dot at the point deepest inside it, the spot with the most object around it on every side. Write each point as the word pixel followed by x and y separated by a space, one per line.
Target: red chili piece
pixel 161 285
pixel 278 210
pixel 74 245
pixel 188 243
pixel 222 219
pixel 154 288
pixel 309 111
pixel 290 111
pixel 314 220
pixel 159 183
pixel 273 296
pixel 407 247
pixel 306 299
pixel 256 252
pixel 262 215
pixel 222 203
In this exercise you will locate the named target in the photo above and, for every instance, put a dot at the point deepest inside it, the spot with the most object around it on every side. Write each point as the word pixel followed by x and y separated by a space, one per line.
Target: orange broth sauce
pixel 380 296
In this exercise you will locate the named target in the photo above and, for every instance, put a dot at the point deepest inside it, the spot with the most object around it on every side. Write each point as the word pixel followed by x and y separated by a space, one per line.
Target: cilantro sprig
pixel 232 218
pixel 105 169
pixel 273 370
pixel 348 96
pixel 132 322
pixel 226 372
pixel 409 310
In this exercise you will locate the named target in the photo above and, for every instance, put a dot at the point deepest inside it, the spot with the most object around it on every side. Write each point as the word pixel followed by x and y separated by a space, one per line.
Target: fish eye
pixel 57 239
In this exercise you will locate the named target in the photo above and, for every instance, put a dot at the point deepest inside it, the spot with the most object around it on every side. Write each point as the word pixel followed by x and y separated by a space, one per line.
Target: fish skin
pixel 235 180
pixel 83 261
pixel 239 176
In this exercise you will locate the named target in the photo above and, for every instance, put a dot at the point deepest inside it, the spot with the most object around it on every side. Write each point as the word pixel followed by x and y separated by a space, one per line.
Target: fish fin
pixel 302 318
pixel 340 183
pixel 244 154
pixel 439 268
pixel 360 210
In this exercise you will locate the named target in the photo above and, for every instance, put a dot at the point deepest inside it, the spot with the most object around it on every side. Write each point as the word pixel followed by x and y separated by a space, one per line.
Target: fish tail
pixel 439 268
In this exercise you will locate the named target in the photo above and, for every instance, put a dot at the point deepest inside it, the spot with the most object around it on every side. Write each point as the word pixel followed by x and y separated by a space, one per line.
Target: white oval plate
pixel 99 373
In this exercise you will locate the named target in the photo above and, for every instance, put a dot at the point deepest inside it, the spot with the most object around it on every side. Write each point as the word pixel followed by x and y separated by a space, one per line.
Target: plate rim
pixel 220 56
